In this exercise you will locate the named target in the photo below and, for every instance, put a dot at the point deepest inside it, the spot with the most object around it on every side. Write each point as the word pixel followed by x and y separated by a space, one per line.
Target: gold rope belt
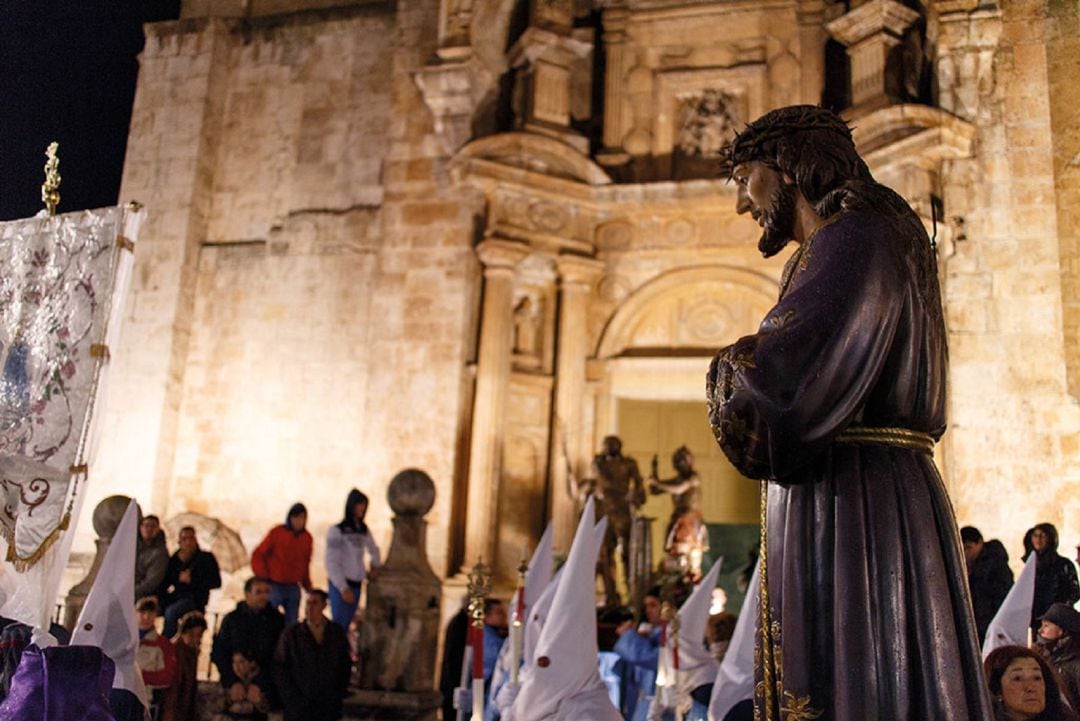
pixel 902 437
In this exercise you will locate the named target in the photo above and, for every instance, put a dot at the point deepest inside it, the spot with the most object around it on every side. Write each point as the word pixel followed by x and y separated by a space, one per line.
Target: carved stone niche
pixel 707 120
pixel 695 108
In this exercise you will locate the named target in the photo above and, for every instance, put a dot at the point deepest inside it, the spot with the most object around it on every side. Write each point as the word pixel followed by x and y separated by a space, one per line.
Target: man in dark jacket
pixel 989 576
pixel 191 575
pixel 151 558
pixel 254 627
pixel 312 664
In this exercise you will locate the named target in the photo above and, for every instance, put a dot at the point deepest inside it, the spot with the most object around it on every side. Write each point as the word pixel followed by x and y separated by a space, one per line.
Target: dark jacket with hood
pixel 990 579
pixel 1055 577
pixel 284 556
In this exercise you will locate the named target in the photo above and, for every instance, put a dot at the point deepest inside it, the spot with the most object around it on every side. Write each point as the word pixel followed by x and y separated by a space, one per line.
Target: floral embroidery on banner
pixel 56 295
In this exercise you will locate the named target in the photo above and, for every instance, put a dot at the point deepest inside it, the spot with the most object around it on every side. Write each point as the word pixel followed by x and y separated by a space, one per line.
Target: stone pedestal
pixel 400 633
pixel 390 706
pixel 107 516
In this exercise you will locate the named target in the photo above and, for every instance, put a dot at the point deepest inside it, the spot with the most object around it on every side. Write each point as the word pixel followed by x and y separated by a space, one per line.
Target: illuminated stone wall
pixel 1015 431
pixel 331 280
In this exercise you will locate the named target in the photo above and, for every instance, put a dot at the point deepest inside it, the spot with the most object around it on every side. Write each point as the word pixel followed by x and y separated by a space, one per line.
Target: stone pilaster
pixel 812 37
pixel 576 277
pixel 870 32
pixel 615 46
pixel 500 257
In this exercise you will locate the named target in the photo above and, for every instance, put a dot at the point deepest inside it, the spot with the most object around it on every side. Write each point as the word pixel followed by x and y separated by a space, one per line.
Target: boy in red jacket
pixel 284 557
pixel 156 656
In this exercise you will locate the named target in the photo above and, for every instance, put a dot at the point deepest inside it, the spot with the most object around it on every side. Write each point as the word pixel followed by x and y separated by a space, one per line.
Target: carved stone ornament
pixel 709 120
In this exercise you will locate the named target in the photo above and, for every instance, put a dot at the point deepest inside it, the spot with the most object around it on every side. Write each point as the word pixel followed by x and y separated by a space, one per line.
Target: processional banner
pixel 62 286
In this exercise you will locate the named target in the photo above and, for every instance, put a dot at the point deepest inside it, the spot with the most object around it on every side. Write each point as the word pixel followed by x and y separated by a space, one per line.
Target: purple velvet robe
pixel 61 683
pixel 865 607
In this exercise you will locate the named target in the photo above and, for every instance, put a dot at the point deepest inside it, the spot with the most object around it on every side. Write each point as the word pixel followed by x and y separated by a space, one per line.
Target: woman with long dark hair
pixel 347 543
pixel 1024 687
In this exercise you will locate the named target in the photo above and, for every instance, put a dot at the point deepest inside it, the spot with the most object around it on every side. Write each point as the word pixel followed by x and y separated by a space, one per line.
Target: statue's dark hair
pixel 815 148
pixel 812 145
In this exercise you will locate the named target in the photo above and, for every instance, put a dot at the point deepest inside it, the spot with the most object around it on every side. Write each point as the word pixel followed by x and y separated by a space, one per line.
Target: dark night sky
pixel 67 73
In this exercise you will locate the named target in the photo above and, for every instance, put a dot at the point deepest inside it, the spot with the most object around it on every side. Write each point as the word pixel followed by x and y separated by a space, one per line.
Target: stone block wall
pixel 174 137
pixel 1011 448
pixel 305 288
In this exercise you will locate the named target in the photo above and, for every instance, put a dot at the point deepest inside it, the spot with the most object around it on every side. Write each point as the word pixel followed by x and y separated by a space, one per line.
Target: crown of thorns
pixel 757 141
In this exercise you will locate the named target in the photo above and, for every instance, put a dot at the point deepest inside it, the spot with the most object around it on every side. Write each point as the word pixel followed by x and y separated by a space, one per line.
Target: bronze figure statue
pixel 835 404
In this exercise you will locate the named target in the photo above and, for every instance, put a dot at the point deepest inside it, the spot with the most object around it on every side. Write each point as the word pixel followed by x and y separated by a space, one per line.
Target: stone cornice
pixel 500 255
pixel 578 270
pixel 912 135
pixel 873 17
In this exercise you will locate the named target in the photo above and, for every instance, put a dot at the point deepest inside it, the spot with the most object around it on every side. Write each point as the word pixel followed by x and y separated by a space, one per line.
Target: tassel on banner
pixel 22 565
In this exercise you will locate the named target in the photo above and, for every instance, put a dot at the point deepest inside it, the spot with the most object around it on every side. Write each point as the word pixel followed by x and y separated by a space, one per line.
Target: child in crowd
pixel 245 700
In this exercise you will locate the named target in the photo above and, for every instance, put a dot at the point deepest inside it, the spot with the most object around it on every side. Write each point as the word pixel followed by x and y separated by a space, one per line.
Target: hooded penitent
pixel 696 665
pixel 564 682
pixel 107 619
pixel 735 679
pixel 1010 624
pixel 539 613
pixel 537 578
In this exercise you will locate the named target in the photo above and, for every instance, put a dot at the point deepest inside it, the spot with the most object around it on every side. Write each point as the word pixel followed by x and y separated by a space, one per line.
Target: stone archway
pixel 688 311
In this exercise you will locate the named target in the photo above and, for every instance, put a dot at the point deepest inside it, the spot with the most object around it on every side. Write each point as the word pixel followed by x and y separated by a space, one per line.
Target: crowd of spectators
pixel 267 657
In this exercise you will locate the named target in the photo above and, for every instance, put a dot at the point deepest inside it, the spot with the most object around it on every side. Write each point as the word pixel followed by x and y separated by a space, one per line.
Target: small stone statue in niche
pixel 527 318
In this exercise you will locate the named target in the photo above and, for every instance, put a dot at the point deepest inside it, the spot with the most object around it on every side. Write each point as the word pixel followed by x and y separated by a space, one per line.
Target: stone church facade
pixel 455 236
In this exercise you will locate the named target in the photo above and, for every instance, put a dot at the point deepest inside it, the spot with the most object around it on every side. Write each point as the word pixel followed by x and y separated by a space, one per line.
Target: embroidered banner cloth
pixel 60 299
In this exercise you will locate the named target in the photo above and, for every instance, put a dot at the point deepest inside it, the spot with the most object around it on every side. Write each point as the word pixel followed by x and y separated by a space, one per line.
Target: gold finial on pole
pixel 50 190
pixel 479 590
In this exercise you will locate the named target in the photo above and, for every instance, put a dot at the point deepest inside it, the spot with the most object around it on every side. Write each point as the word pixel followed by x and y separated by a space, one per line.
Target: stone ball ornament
pixel 411 493
pixel 108 514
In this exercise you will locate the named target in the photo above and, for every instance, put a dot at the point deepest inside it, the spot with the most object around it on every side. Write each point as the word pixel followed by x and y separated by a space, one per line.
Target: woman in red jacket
pixel 283 559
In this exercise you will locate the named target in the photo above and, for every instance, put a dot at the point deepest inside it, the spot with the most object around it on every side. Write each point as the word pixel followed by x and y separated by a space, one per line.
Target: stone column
pixel 812 38
pixel 576 276
pixel 870 32
pixel 492 378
